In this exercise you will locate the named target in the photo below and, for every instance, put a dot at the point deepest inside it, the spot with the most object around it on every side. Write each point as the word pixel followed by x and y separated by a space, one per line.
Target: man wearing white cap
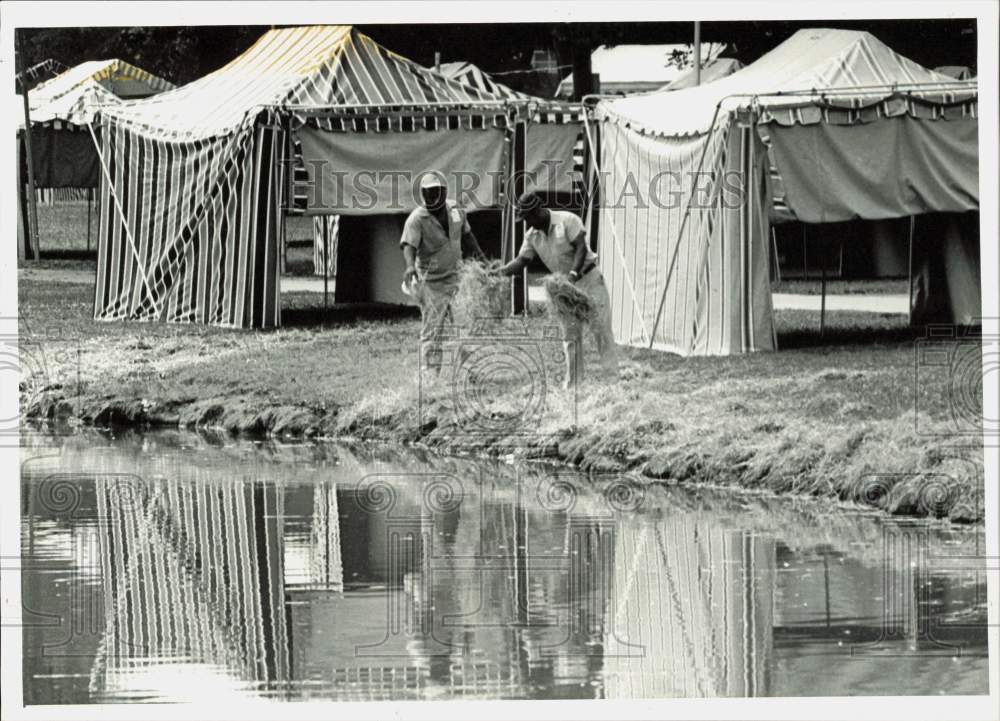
pixel 435 237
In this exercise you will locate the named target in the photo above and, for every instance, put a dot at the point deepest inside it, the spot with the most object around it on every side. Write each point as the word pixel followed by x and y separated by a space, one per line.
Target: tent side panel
pixel 550 166
pixel 64 158
pixel 705 276
pixel 733 295
pixel 199 238
pixel 370 173
pixel 889 168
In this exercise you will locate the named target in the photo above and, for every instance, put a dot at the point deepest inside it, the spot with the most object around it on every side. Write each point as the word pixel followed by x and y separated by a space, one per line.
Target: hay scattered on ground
pixel 483 294
pixel 567 304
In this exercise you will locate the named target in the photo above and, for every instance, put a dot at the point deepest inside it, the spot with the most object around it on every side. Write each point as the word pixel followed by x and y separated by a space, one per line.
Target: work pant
pixel 434 298
pixel 600 327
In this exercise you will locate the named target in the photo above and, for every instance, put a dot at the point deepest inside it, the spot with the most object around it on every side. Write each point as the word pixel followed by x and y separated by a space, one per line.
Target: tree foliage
pixel 183 54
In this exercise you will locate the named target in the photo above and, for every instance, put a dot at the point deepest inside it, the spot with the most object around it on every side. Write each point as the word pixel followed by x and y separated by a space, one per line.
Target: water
pixel 167 567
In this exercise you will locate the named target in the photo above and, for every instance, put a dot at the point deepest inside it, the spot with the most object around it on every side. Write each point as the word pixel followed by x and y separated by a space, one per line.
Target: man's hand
pixel 512 268
pixel 409 274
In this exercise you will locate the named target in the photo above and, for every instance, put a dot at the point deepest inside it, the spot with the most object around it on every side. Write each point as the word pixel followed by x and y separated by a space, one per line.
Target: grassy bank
pixel 848 416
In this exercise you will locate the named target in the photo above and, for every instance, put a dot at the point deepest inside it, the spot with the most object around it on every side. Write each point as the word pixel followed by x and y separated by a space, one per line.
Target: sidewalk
pixel 885 303
pixel 796 301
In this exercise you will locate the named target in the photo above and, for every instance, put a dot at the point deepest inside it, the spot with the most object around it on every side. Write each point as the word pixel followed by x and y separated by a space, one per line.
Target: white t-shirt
pixel 555 246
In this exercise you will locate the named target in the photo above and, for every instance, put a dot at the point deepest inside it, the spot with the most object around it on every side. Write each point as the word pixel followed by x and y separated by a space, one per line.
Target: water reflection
pixel 165 568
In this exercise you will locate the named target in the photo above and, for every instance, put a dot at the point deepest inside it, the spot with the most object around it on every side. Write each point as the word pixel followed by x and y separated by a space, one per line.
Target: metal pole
pixel 90 192
pixel 284 244
pixel 32 229
pixel 437 61
pixel 909 314
pixel 805 255
pixel 697 52
pixel 822 295
pixel 326 261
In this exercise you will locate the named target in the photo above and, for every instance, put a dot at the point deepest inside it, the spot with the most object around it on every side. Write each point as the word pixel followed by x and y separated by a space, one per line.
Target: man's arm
pixel 410 256
pixel 470 246
pixel 514 267
pixel 580 255
pixel 409 242
pixel 524 256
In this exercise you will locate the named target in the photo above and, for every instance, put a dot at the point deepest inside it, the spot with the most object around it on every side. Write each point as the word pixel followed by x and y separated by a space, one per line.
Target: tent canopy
pixel 710 72
pixel 75 95
pixel 468 74
pixel 812 61
pixel 38 73
pixel 958 72
pixel 317 67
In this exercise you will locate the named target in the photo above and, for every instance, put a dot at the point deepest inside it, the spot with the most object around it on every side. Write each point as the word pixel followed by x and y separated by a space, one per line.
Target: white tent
pixel 854 131
pixel 710 72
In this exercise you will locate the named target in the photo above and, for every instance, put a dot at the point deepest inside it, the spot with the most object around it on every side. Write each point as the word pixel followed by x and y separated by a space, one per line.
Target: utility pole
pixel 583 76
pixel 697 53
pixel 32 229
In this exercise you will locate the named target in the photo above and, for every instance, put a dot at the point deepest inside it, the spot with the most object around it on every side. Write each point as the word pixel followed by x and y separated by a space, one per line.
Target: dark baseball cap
pixel 526 203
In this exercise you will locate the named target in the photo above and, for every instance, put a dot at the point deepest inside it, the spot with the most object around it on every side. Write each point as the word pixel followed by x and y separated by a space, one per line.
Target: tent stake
pixel 32 229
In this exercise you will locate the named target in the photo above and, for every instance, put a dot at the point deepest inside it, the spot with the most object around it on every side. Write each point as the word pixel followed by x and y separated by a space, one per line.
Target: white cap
pixel 432 179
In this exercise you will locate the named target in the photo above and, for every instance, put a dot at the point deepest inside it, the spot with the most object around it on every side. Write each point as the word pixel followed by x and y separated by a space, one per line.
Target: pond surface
pixel 168 567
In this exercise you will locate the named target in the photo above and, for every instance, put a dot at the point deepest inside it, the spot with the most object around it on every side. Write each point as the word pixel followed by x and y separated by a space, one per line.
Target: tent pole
pixel 822 295
pixel 774 252
pixel 90 192
pixel 32 230
pixel 805 256
pixel 520 152
pixel 909 312
pixel 326 262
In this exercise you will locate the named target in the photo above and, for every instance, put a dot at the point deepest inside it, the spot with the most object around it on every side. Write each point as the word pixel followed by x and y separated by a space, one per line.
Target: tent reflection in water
pixel 692 615
pixel 853 130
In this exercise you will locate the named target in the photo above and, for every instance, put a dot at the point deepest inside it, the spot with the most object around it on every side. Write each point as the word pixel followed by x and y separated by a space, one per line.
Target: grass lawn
pixel 874 286
pixel 851 415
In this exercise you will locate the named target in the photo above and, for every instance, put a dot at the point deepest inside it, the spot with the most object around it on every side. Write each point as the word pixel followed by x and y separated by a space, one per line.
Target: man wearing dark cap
pixel 559 238
pixel 435 237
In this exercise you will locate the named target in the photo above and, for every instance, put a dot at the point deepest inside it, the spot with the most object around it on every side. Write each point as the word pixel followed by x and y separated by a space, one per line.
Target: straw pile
pixel 568 305
pixel 482 294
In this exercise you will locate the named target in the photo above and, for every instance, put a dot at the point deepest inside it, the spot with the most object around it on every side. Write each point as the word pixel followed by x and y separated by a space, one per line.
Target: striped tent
pixel 38 73
pixel 468 74
pixel 75 95
pixel 853 130
pixel 63 156
pixel 191 212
